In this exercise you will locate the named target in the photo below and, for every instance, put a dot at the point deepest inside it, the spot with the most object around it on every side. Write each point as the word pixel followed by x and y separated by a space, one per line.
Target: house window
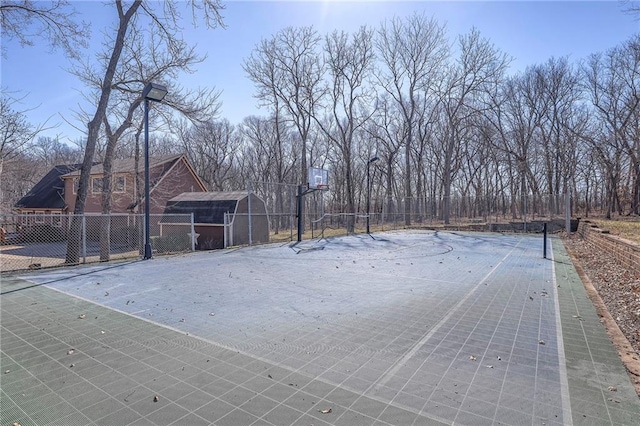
pixel 118 184
pixel 56 220
pixel 97 183
pixel 39 217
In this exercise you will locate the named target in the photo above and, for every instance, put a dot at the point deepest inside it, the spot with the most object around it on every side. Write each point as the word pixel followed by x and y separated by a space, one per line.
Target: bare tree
pixel 630 7
pixel 55 21
pixel 477 71
pixel 612 83
pixel 412 52
pixel 287 72
pixel 166 25
pixel 212 147
pixel 349 60
pixel 16 138
pixel 270 157
pixel 516 118
pixel 561 119
pixel 16 133
pixel 388 130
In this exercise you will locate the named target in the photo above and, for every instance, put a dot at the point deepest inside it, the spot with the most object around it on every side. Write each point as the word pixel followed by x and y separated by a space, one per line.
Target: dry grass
pixel 628 229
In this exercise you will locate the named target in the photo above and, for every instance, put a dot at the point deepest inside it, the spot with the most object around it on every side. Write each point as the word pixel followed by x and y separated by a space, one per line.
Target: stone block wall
pixel 627 252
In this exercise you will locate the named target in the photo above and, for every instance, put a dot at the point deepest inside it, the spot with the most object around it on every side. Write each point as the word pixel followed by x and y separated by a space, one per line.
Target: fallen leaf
pixel 7 371
pixel 70 351
pixel 325 411
pixel 155 398
pixel 82 316
pixel 472 357
pixel 102 332
pixel 212 314
pixel 269 376
pixel 489 366
pixel 612 389
pixel 72 365
pixel 499 359
pixel 182 320
pixel 541 342
pixel 16 424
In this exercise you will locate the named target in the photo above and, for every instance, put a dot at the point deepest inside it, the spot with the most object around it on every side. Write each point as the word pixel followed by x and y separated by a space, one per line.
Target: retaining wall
pixel 626 252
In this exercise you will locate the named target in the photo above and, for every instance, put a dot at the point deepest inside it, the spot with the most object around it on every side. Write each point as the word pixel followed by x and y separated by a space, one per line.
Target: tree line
pixel 447 117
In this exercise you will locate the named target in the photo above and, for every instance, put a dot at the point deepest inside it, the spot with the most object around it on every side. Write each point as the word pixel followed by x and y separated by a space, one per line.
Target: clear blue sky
pixel 531 32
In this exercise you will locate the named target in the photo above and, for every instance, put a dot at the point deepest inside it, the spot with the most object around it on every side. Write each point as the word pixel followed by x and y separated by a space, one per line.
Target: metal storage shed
pixel 244 215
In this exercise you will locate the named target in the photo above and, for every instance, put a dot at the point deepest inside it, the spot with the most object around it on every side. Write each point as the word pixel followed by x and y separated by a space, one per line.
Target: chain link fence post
pixel 193 233
pixel 249 212
pixel 84 238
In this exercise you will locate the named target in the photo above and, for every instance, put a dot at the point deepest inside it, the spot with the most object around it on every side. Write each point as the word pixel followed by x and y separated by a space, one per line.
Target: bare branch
pixel 54 21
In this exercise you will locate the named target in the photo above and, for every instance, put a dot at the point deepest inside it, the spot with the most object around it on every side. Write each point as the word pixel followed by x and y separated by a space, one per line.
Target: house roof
pixel 48 193
pixel 128 165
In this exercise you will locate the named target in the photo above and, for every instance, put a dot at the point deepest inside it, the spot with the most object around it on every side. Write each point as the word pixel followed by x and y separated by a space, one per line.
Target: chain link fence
pixel 324 216
pixel 516 212
pixel 34 241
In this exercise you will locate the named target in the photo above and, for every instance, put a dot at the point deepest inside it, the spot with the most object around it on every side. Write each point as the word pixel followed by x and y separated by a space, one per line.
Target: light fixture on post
pixel 373 160
pixel 152 92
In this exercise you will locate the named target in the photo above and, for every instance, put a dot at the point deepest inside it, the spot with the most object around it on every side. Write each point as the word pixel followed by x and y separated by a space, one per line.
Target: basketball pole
pixel 544 240
pixel 318 180
pixel 299 208
pixel 299 198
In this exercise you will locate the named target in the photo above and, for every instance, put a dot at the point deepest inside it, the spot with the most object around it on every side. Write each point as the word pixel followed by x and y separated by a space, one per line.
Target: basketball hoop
pixel 322 187
pixel 318 179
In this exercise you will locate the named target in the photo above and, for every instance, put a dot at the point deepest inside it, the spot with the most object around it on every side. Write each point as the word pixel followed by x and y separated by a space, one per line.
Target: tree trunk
pixel 407 180
pixel 73 244
pixel 107 190
pixel 446 180
pixel 350 195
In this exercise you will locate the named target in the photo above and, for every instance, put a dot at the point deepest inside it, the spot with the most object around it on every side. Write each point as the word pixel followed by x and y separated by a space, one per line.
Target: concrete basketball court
pixel 400 328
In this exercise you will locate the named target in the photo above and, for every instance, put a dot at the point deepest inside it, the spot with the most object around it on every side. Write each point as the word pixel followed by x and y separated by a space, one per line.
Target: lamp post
pixel 373 160
pixel 152 92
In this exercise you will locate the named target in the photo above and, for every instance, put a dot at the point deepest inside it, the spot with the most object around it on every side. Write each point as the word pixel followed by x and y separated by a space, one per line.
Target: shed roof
pixel 211 196
pixel 48 193
pixel 204 211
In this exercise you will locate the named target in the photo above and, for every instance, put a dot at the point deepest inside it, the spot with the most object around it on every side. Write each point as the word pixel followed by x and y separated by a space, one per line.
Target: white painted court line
pixel 567 417
pixel 391 372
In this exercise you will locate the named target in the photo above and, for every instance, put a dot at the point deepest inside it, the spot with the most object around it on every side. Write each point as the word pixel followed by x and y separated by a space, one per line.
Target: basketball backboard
pixel 318 178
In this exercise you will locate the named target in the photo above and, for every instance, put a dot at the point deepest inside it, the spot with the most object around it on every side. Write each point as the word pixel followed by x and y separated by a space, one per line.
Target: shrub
pixel 171 243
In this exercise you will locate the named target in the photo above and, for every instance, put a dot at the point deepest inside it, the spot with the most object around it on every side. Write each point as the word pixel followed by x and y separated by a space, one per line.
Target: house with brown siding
pixel 168 177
